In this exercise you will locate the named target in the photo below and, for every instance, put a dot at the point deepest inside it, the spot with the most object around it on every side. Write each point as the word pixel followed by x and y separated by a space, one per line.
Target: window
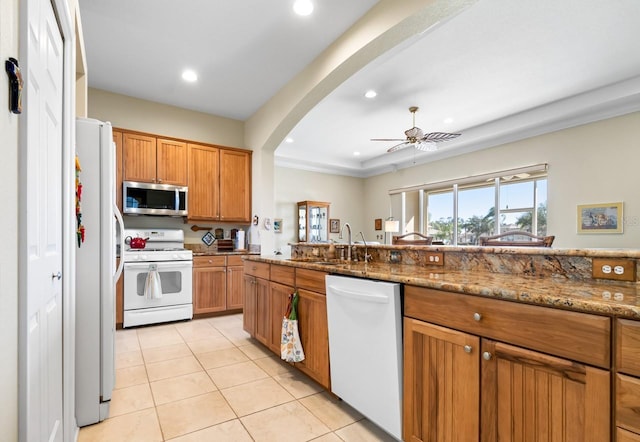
pixel 460 211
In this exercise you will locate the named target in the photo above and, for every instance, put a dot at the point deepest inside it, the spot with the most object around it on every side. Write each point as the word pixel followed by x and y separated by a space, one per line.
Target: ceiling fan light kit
pixel 416 138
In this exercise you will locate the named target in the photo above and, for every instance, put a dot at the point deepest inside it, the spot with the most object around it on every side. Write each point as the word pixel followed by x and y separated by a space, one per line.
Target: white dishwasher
pixel 365 348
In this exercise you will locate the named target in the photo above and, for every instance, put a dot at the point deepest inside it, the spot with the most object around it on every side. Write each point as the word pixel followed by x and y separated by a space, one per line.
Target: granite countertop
pixel 593 296
pixel 223 252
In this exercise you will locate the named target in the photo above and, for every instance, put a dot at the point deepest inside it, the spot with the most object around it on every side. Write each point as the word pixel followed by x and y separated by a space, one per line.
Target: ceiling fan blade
pixel 399 146
pixel 436 137
pixel 387 139
pixel 426 146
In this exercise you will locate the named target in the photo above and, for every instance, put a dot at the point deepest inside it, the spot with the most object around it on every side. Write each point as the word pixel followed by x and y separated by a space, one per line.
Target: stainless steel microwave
pixel 153 199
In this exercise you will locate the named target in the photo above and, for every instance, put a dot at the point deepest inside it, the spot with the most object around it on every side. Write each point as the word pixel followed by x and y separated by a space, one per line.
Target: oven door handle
pixel 163 266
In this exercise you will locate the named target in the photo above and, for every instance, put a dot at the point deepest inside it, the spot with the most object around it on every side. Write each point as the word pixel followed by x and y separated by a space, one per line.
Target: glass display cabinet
pixel 313 221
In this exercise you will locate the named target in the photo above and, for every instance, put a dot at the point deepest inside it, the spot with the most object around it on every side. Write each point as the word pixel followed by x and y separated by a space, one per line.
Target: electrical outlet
pixel 435 258
pixel 616 269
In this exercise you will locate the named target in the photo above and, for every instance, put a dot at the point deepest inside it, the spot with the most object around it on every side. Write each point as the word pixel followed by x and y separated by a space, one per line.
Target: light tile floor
pixel 208 380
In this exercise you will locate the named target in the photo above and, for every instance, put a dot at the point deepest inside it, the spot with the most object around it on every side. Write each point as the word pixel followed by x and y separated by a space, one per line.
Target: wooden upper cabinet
pixel 204 191
pixel 235 185
pixel 139 158
pixel 117 139
pixel 149 159
pixel 171 158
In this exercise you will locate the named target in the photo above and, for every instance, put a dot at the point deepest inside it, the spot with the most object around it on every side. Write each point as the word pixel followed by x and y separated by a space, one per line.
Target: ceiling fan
pixel 416 137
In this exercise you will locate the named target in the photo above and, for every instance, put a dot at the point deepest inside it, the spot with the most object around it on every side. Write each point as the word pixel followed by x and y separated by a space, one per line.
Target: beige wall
pixel 8 233
pixel 593 163
pixel 346 195
pixel 147 116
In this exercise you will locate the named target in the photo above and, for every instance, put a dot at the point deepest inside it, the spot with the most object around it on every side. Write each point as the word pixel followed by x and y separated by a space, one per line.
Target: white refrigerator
pixel 96 272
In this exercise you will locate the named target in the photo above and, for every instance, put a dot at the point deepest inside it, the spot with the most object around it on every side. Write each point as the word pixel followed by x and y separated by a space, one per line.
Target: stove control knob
pixel 175 256
pixel 143 257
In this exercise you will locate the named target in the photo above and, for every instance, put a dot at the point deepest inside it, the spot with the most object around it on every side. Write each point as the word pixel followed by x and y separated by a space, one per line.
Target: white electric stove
pixel 165 254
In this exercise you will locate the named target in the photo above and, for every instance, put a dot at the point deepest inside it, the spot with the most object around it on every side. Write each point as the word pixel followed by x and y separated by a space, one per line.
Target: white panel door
pixel 41 217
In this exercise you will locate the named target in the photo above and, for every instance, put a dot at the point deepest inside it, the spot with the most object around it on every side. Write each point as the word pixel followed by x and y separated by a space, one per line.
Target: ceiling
pixel 497 72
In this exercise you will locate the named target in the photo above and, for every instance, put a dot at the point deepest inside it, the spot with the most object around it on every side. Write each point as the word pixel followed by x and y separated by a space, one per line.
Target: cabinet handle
pixel 468 348
pixel 477 316
pixel 486 356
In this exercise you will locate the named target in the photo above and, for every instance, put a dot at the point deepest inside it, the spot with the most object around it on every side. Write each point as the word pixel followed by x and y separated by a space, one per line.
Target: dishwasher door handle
pixel 360 296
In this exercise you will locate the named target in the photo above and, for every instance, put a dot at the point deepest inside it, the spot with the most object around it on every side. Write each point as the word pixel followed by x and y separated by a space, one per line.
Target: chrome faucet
pixel 367 257
pixel 349 245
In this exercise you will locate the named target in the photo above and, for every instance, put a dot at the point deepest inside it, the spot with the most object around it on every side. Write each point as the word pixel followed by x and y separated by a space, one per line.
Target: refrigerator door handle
pixel 118 216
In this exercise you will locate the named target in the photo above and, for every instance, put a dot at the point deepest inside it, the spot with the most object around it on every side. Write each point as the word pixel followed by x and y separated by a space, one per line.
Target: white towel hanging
pixel 152 285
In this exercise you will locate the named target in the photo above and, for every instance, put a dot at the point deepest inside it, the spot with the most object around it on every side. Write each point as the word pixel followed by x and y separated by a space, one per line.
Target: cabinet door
pixel 171 162
pixel 204 189
pixel 441 383
pixel 533 396
pixel 314 335
pixel 279 300
pixel 234 287
pixel 209 290
pixel 235 185
pixel 139 158
pixel 117 139
pixel 249 305
pixel 263 318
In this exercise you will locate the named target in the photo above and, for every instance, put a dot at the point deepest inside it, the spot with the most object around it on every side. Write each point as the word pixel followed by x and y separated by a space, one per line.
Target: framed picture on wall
pixel 600 218
pixel 277 225
pixel 334 225
pixel 378 223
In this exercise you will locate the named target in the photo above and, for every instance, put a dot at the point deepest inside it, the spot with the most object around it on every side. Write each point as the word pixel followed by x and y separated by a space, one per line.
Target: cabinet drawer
pixel 257 269
pixel 283 274
pixel 234 260
pixel 628 402
pixel 311 280
pixel 578 336
pixel 628 346
pixel 209 261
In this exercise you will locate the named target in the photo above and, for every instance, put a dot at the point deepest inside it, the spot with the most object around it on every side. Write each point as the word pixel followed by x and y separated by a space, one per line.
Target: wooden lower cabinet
pixel 235 287
pixel 441 383
pixel 265 302
pixel 627 380
pixel 263 320
pixel 209 284
pixel 461 384
pixel 249 307
pixel 314 335
pixel 528 395
pixel 279 298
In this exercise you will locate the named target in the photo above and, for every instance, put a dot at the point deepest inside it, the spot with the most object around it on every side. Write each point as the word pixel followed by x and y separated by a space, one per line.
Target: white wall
pixel 8 232
pixel 593 163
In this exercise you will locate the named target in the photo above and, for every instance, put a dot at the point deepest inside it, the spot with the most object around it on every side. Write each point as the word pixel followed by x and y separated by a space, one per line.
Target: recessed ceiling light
pixel 356 154
pixel 189 75
pixel 370 93
pixel 303 7
pixel 448 120
pixel 288 140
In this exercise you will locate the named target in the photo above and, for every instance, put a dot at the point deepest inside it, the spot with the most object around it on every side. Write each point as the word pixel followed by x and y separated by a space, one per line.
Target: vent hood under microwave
pixel 154 199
